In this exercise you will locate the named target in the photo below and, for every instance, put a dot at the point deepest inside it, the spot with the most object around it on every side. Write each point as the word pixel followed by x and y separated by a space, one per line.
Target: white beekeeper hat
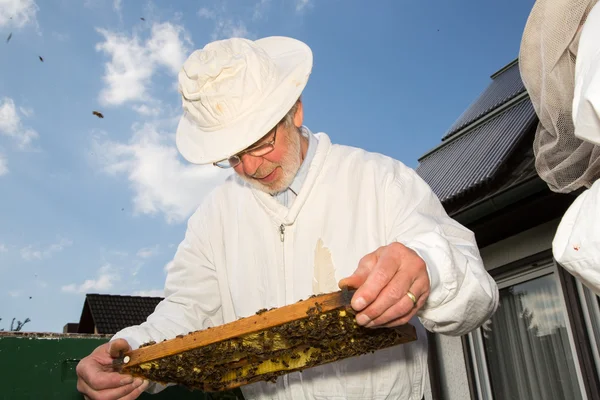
pixel 235 91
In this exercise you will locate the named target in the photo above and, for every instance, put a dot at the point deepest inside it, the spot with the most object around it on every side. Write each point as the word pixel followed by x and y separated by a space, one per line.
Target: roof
pixel 517 170
pixel 506 84
pixel 473 158
pixel 111 313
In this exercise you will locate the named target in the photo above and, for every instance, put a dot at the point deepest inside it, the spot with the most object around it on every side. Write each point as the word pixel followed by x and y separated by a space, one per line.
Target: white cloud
pixel 147 111
pixel 104 281
pixel 225 25
pixel 3 248
pixel 118 5
pixel 127 74
pixel 12 126
pixel 14 293
pixel 147 252
pixel 30 253
pixel 3 165
pixel 150 293
pixel 206 13
pixel 302 5
pixel 162 184
pixel 134 62
pixel 260 9
pixel 17 13
pixel 167 48
pixel 227 28
pixel 26 111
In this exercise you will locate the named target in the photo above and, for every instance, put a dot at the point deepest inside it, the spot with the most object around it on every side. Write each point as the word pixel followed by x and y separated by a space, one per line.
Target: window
pixel 590 304
pixel 526 351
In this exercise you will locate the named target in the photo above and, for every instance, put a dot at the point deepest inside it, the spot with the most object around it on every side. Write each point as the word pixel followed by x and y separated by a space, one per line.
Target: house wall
pixel 452 368
pixel 525 244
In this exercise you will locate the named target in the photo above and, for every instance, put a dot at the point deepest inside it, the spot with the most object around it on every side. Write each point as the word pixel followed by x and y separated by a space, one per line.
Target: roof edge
pixel 86 316
pixel 499 201
pixel 124 295
pixel 479 121
pixel 503 69
pixel 53 335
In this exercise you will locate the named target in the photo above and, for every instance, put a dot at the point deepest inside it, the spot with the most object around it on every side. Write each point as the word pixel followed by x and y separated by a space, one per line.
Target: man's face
pixel 275 171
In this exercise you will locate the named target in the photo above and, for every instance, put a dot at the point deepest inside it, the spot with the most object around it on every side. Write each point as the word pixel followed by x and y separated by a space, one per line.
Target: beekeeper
pixel 576 245
pixel 302 216
pixel 560 66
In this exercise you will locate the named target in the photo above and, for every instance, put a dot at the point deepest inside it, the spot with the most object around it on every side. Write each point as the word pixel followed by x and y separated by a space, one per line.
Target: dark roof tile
pixel 111 313
pixel 473 158
pixel 518 169
pixel 506 85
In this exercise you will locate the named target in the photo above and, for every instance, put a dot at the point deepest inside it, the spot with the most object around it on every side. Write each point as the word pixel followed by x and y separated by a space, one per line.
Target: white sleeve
pixel 576 244
pixel 192 299
pixel 463 295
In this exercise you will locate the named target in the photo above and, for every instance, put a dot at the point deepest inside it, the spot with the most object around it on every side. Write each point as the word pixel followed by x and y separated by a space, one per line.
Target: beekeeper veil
pixel 547 62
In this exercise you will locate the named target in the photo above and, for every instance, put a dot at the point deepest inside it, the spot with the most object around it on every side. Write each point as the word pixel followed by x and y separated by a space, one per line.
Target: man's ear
pixel 299 116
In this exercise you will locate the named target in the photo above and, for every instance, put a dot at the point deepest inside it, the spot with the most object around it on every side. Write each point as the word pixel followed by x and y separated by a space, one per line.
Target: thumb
pixel 361 273
pixel 353 281
pixel 117 346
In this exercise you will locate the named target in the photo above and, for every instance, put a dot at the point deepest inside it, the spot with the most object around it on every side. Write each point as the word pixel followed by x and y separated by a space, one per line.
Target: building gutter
pixel 500 200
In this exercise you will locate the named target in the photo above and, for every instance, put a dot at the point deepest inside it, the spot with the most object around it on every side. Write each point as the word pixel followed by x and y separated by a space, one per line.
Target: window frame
pixel 520 271
pixel 590 304
pixel 583 340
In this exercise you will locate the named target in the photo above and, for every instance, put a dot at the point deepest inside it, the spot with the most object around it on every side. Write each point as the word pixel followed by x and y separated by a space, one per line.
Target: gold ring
pixel 412 297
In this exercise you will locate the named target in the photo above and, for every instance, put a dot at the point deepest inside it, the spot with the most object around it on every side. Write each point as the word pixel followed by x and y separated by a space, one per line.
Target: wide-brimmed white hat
pixel 235 91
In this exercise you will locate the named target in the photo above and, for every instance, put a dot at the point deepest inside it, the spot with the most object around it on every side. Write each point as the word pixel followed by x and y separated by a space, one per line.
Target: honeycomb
pixel 318 338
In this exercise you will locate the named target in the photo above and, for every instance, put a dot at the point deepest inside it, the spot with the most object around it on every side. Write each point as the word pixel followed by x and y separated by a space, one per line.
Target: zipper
pixel 282 232
pixel 285 379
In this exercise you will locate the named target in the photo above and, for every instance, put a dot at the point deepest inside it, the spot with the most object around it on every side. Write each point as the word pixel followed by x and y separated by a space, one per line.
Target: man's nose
pixel 251 163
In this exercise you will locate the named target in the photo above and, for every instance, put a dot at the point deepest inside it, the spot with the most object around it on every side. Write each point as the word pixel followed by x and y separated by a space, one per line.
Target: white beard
pixel 290 164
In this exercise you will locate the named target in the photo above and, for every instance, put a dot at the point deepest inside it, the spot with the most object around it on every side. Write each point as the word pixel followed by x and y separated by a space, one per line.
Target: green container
pixel 42 366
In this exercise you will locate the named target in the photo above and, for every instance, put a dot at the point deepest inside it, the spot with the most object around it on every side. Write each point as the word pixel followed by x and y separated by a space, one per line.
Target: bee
pixel 319 308
pixel 41 58
pixel 98 114
pixel 8 38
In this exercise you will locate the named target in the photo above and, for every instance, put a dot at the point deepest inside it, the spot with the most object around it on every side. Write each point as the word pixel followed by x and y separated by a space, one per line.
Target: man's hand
pixel 383 281
pixel 98 381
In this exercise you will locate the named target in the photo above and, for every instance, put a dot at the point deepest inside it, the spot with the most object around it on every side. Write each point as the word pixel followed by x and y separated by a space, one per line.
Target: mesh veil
pixel 547 64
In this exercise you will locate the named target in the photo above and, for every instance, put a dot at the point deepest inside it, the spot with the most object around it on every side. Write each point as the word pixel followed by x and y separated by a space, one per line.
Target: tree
pixel 19 326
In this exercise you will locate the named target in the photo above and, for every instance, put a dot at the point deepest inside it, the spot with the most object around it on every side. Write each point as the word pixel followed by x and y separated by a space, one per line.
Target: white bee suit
pixel 576 245
pixel 244 251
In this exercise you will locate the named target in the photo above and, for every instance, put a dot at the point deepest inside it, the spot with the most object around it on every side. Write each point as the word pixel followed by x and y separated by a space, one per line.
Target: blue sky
pixel 90 205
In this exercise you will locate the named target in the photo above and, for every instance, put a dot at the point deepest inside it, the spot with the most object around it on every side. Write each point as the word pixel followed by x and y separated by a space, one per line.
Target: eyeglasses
pixel 259 150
